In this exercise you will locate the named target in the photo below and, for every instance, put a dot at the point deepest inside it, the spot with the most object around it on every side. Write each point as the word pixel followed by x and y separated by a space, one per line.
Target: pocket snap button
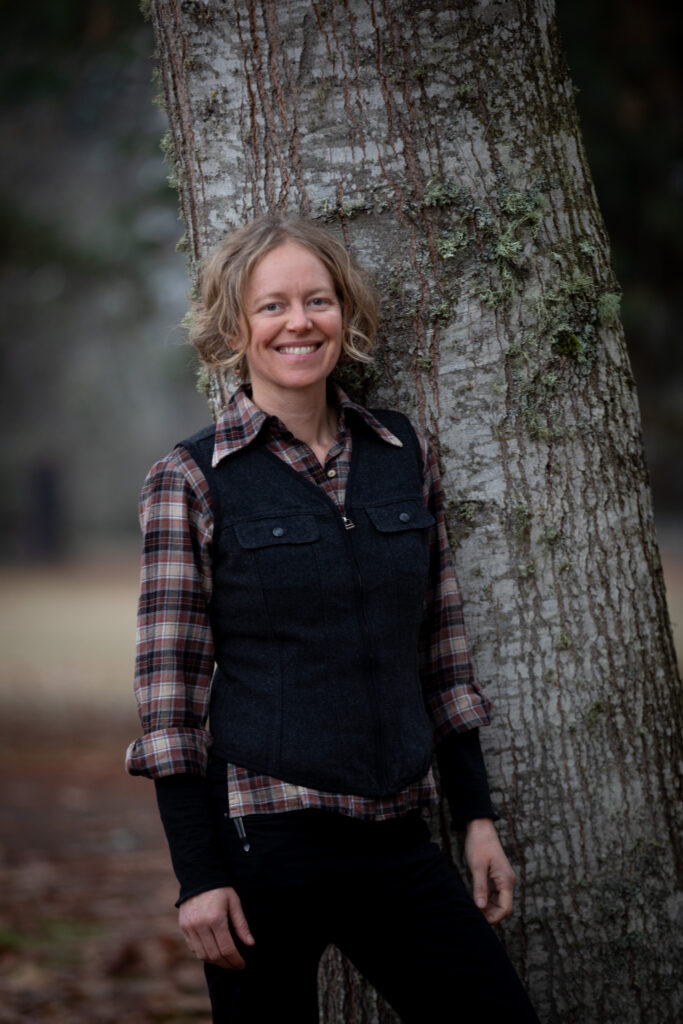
pixel 278 531
pixel 404 517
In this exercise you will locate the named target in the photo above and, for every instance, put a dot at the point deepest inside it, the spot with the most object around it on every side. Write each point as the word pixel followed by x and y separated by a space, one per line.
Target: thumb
pixel 238 920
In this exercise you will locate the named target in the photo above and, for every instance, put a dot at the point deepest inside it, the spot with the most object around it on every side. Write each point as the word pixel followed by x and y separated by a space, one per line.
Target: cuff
pixel 169 752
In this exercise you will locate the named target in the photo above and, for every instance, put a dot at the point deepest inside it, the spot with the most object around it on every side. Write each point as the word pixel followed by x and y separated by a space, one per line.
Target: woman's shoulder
pixel 178 471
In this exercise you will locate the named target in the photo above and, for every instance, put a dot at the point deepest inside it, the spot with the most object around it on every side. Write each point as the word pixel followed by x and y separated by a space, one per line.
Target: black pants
pixel 384 895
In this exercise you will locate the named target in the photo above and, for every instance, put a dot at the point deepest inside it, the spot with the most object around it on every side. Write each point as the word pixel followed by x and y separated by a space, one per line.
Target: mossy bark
pixel 441 141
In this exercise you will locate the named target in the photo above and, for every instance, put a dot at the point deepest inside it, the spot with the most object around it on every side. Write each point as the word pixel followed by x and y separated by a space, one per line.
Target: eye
pixel 319 301
pixel 271 307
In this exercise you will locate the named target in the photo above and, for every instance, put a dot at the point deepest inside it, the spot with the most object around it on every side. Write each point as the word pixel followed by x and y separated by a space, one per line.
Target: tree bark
pixel 441 141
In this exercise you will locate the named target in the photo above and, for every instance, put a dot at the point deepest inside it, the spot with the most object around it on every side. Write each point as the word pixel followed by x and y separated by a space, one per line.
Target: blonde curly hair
pixel 218 317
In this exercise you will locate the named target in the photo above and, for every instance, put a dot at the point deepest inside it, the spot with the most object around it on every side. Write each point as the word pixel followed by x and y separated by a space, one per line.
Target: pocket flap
pixel 409 514
pixel 285 529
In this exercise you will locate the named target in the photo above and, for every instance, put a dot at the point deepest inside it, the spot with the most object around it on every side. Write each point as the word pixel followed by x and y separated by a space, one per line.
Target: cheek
pixel 261 337
pixel 337 326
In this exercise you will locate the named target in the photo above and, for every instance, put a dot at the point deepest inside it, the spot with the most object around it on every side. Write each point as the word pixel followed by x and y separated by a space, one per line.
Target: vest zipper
pixel 380 770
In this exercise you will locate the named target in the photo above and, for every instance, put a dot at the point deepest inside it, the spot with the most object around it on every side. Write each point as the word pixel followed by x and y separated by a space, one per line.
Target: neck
pixel 305 413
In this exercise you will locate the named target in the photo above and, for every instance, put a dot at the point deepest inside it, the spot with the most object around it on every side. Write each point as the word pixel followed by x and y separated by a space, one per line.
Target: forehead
pixel 290 265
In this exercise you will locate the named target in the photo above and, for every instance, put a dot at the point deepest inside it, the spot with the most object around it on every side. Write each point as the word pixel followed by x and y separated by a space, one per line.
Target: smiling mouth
pixel 299 350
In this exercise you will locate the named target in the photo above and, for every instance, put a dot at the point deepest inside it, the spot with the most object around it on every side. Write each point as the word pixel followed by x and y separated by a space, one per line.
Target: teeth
pixel 298 350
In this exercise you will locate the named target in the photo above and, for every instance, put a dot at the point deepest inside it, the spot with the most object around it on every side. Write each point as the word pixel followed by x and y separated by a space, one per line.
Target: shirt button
pixel 278 531
pixel 331 473
pixel 404 517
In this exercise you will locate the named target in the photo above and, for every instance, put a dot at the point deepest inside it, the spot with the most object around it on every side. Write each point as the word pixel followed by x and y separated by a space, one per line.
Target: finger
pixel 229 957
pixel 194 937
pixel 215 948
pixel 480 886
pixel 212 950
pixel 204 921
pixel 226 952
pixel 212 942
pixel 238 920
pixel 500 902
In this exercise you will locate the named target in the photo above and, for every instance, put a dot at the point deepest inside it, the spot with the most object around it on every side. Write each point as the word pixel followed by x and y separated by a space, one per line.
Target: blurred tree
pixel 90 283
pixel 46 45
pixel 441 140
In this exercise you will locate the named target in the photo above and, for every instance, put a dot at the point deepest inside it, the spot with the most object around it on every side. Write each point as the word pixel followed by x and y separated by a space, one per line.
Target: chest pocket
pixel 277 532
pixel 403 528
pixel 282 551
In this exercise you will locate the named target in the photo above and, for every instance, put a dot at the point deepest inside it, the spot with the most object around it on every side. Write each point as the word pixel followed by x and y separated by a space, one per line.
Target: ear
pixel 239 342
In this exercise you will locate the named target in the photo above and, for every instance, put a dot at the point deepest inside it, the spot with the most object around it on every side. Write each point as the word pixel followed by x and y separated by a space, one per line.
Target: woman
pixel 301 545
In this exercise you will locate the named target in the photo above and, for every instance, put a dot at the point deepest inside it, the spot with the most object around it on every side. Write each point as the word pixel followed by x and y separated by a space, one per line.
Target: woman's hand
pixel 493 880
pixel 206 921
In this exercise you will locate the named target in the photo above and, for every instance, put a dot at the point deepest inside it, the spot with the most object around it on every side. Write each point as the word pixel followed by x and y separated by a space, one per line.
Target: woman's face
pixel 295 322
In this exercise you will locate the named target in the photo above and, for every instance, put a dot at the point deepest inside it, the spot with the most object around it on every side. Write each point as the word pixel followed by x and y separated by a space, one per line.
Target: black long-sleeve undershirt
pixel 185 807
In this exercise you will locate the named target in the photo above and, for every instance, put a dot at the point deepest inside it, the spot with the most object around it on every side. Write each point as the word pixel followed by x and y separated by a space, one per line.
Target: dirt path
pixel 87 926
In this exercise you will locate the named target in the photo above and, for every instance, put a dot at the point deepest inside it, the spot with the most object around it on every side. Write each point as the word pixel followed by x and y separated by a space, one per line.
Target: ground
pixel 87 926
pixel 88 930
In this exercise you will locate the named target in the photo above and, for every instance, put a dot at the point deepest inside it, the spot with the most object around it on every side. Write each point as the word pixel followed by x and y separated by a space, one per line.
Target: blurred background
pixel 96 382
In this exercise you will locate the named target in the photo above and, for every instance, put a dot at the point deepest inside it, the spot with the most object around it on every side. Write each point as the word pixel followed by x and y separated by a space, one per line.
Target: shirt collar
pixel 241 422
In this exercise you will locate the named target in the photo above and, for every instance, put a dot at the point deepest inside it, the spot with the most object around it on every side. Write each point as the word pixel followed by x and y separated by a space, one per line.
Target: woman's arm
pixel 458 707
pixel 453 698
pixel 174 659
pixel 174 668
pixel 210 913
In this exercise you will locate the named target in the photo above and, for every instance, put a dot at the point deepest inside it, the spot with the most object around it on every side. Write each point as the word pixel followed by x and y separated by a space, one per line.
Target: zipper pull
pixel 348 524
pixel 241 832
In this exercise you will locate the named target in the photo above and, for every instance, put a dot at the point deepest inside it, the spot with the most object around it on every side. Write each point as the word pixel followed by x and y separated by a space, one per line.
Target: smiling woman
pixel 300 545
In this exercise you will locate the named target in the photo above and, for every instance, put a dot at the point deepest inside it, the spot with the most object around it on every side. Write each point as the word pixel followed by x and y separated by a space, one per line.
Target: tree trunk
pixel 441 141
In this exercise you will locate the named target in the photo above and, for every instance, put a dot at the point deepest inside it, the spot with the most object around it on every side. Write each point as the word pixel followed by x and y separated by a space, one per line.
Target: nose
pixel 299 319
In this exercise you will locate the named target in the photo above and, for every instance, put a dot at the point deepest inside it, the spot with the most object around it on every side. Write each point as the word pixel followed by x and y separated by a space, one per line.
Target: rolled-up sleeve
pixel 453 698
pixel 175 653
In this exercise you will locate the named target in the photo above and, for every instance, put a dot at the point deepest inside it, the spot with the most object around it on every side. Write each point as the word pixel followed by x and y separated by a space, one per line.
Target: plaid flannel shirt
pixel 175 653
